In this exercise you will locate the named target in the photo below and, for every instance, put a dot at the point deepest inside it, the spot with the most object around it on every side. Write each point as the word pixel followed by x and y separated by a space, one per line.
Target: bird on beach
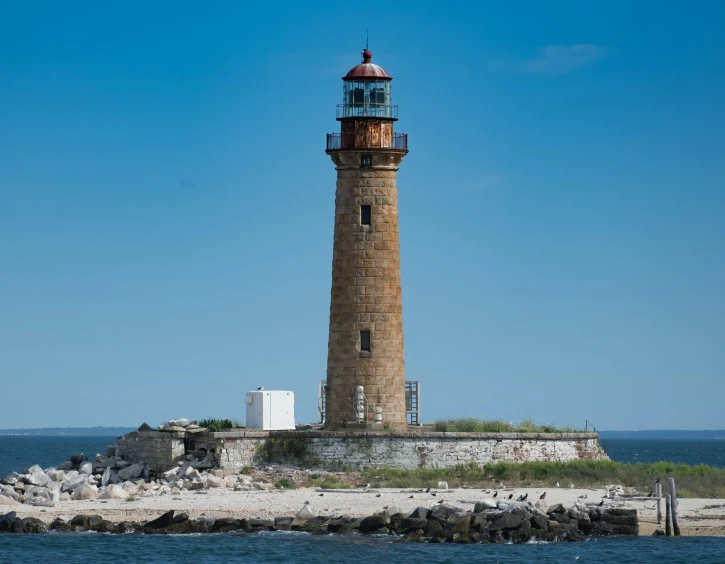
pixel 525 497
pixel 433 494
pixel 411 497
pixel 307 502
pixel 542 496
pixel 379 495
pixel 557 484
pixel 657 481
pixel 495 494
pixel 601 503
pixel 649 494
pixel 427 490
pixel 511 496
pixel 321 495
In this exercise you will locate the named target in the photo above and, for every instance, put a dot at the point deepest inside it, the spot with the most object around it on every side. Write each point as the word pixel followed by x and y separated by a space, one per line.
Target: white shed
pixel 271 410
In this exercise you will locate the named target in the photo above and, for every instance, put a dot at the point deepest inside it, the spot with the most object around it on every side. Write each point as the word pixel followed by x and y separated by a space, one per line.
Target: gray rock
pixel 414 523
pixel 442 512
pixel 65 466
pixel 106 478
pixel 556 508
pixel 485 504
pixel 55 475
pixel 510 519
pixel 419 513
pixel 372 523
pixel 86 468
pixel 72 480
pixel 114 492
pixel 131 472
pixel 179 422
pixel 11 479
pixel 9 492
pixel 84 492
pixel 120 463
pixel 36 476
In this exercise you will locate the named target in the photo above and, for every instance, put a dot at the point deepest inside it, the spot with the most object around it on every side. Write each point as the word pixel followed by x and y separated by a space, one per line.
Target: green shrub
pixel 285 484
pixel 219 424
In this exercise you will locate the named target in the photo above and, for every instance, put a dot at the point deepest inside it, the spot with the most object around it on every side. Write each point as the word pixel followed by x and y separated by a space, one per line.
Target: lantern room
pixel 366 92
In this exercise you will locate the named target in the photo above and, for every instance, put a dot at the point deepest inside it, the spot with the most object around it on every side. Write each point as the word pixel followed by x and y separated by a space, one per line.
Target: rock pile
pixel 489 522
pixel 110 477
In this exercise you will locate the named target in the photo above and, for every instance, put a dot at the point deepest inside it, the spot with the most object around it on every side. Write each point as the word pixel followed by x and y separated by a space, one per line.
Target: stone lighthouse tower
pixel 365 346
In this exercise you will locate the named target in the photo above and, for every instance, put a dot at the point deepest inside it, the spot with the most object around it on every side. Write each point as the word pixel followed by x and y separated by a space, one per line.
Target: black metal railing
pixel 367 110
pixel 351 140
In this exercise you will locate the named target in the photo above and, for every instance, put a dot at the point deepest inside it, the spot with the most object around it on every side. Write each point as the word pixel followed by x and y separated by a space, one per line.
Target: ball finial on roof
pixel 367 56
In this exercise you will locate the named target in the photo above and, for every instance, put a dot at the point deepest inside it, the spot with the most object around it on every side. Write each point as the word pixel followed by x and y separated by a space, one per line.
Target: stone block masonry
pixel 334 450
pixel 366 292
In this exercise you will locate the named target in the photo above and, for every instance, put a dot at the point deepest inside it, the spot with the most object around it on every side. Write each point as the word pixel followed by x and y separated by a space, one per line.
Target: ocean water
pixel 680 451
pixel 18 452
pixel 302 547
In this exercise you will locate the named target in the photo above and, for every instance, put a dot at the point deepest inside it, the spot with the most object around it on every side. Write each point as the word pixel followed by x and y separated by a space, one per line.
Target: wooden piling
pixel 668 529
pixel 673 503
pixel 658 492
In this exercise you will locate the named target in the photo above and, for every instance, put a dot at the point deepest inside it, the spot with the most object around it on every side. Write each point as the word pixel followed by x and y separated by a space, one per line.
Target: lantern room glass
pixel 366 98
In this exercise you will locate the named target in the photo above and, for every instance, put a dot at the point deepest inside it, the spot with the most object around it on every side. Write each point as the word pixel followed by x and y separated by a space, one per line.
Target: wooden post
pixel 668 529
pixel 673 502
pixel 658 492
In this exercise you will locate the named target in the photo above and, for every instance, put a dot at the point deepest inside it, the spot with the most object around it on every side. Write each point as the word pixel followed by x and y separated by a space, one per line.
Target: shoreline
pixel 215 503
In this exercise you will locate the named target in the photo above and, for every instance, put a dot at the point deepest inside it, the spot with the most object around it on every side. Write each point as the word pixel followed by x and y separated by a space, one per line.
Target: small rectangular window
pixel 365 340
pixel 367 160
pixel 365 213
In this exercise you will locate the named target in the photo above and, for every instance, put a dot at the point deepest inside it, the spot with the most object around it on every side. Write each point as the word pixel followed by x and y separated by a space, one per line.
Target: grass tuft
pixel 472 425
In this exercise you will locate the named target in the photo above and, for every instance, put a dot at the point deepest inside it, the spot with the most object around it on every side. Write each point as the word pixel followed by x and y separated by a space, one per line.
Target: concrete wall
pixel 338 450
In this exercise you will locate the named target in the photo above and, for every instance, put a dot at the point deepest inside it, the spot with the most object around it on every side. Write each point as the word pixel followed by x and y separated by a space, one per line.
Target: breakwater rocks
pixel 489 522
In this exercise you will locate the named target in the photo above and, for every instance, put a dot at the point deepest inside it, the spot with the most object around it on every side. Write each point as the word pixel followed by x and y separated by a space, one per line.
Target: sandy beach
pixel 695 519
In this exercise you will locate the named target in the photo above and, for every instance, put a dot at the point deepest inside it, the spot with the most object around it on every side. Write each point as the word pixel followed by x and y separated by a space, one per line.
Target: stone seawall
pixel 160 450
pixel 333 450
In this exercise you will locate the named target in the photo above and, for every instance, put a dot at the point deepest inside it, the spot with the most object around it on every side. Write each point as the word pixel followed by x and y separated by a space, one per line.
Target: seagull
pixel 427 490
pixel 557 484
pixel 542 496
pixel 260 388
pixel 525 497
pixel 657 481
pixel 495 494
pixel 433 494
pixel 511 496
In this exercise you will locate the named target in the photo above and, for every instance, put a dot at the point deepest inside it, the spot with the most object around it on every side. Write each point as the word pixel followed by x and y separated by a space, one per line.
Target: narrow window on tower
pixel 365 212
pixel 365 341
pixel 367 160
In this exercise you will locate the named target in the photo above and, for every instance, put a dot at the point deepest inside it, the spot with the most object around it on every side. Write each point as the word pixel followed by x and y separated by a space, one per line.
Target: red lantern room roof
pixel 366 69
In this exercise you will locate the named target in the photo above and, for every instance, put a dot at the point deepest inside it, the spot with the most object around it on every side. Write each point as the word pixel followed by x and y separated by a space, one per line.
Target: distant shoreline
pixel 68 431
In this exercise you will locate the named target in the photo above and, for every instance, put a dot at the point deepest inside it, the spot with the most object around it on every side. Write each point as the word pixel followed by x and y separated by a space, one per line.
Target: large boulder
pixel 84 492
pixel 33 525
pixel 4 500
pixel 114 492
pixel 106 477
pixel 131 472
pixel 510 519
pixel 11 479
pixel 86 468
pixel 443 512
pixel 179 422
pixel 489 503
pixel 214 482
pixel 8 491
pixel 372 523
pixel 36 477
pixel 72 480
pixel 161 522
pixel 55 475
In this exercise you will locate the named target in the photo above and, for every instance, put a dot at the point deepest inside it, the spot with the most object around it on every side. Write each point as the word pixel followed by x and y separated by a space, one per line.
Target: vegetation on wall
pixel 472 425
pixel 220 424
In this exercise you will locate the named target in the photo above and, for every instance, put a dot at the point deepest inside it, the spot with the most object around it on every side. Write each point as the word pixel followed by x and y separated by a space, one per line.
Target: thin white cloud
pixel 552 59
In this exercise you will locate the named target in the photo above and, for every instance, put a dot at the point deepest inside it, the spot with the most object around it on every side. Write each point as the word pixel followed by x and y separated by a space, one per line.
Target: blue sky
pixel 166 207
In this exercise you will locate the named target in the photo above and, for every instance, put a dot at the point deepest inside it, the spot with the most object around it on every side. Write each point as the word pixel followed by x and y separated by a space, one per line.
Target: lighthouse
pixel 365 386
